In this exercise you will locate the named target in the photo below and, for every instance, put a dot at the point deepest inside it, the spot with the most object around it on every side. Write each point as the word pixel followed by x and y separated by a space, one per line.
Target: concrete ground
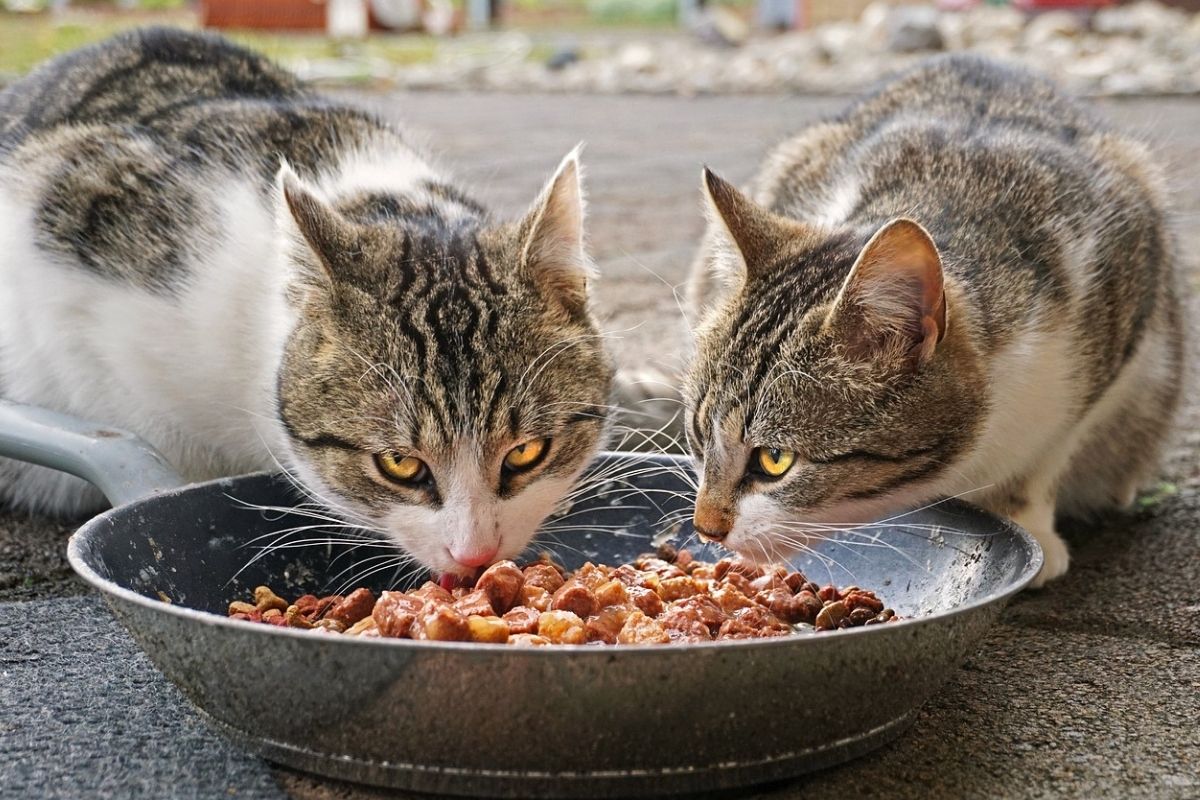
pixel 1090 688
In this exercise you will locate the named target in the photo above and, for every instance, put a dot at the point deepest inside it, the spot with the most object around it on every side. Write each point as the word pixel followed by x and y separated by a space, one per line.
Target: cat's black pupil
pixel 774 453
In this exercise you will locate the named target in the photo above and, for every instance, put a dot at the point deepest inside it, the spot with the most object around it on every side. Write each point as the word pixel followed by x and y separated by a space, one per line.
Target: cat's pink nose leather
pixel 474 558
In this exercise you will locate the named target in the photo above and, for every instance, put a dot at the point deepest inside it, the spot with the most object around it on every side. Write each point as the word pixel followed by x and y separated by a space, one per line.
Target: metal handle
pixel 116 462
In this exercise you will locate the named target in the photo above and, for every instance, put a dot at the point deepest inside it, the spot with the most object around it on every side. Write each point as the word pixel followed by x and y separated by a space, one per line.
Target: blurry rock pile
pixel 1144 48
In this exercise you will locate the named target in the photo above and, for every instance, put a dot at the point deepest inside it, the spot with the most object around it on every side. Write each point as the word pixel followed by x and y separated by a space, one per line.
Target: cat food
pixel 659 598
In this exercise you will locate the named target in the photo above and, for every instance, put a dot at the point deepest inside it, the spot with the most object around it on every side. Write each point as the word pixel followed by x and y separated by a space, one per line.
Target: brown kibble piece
pixel 294 619
pixel 238 607
pixel 761 619
pixel 265 599
pixel 535 597
pixel 395 612
pixel 831 615
pixel 353 607
pixel 605 625
pixel 641 629
pixel 362 626
pixel 433 593
pixel 861 599
pixel 676 588
pixel 730 599
pixel 332 625
pixel 475 603
pixel 441 623
pixel 545 576
pixel 612 593
pixel 795 581
pixel 790 608
pixel 487 629
pixel 575 597
pixel 562 627
pixel 828 594
pixel 522 619
pixel 647 601
pixel 861 616
pixel 527 640
pixel 502 583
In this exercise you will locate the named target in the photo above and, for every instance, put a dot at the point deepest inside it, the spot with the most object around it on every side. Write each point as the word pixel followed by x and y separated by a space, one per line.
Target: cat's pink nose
pixel 474 557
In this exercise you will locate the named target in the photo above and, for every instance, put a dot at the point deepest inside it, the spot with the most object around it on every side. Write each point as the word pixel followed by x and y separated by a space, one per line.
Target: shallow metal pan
pixel 490 720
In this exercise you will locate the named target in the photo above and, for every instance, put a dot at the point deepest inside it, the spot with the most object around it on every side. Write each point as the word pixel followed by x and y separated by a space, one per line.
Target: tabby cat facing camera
pixel 965 284
pixel 196 248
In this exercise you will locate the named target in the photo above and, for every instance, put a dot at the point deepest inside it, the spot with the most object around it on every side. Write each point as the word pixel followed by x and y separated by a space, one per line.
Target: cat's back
pixel 138 77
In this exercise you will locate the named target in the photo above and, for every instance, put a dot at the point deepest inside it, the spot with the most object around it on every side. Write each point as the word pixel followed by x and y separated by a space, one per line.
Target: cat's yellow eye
pixel 402 469
pixel 774 462
pixel 526 456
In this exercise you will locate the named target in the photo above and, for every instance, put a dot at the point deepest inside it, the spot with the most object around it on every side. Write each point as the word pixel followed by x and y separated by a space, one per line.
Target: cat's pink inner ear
pixel 553 250
pixel 896 292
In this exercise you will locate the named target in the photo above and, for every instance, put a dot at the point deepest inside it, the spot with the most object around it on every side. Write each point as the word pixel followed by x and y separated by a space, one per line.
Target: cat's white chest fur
pixel 191 371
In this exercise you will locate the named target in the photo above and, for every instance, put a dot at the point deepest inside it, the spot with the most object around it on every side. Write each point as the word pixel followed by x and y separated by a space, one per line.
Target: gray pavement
pixel 1090 688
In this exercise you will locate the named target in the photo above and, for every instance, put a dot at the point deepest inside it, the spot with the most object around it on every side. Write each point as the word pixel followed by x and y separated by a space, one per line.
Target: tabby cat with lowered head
pixel 964 284
pixel 196 248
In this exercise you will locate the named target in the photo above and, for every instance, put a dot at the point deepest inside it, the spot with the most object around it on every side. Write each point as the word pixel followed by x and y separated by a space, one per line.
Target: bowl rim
pixel 96 526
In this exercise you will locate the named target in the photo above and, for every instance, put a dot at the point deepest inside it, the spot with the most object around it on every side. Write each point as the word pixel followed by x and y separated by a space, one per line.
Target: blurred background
pixel 685 47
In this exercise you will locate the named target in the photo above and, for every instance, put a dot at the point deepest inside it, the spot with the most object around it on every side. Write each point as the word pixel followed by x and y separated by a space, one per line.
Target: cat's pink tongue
pixel 449 581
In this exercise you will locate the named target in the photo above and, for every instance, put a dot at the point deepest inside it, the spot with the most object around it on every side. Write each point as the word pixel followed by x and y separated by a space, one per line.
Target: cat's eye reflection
pixel 401 469
pixel 773 462
pixel 527 455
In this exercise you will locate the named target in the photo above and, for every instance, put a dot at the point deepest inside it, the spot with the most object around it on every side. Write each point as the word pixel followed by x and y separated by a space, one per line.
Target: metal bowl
pixel 473 719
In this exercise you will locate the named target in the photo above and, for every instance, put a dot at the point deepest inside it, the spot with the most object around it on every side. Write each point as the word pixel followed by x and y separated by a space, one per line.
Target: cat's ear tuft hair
pixel 754 237
pixel 318 233
pixel 894 297
pixel 552 250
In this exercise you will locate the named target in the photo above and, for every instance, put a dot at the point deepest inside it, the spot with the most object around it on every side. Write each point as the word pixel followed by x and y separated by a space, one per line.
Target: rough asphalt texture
pixel 1090 688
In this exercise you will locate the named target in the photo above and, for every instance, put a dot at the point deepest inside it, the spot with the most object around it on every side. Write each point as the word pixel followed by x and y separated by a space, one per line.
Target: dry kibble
pixel 295 619
pixel 658 598
pixel 265 599
pixel 831 616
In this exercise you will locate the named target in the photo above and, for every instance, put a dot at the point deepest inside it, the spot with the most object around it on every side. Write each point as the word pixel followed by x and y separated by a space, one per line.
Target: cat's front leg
pixel 1037 517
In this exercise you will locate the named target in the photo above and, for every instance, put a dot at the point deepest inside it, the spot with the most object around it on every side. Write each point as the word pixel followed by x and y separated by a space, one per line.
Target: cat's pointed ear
pixel 753 235
pixel 894 297
pixel 552 245
pixel 318 233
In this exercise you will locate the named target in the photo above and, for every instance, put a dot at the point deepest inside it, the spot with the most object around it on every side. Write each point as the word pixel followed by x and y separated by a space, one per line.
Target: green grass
pixel 28 39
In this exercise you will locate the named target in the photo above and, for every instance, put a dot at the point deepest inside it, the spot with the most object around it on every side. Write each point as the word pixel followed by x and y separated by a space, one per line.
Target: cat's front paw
pixel 1056 558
